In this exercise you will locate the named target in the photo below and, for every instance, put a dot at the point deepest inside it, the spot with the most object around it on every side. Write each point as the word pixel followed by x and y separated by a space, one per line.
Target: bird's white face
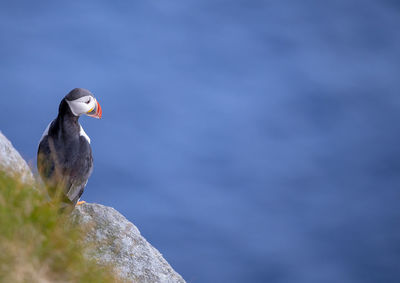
pixel 87 105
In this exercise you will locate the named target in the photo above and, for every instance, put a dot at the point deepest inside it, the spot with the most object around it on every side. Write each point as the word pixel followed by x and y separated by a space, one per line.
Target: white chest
pixel 81 133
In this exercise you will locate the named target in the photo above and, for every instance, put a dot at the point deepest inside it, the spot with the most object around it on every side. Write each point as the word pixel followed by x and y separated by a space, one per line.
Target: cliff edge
pixel 111 239
pixel 118 242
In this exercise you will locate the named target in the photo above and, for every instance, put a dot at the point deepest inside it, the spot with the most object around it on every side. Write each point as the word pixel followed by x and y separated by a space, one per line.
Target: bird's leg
pixel 80 202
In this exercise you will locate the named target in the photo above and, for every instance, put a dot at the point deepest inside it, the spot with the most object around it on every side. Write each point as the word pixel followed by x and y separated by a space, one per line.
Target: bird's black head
pixel 80 101
pixel 78 93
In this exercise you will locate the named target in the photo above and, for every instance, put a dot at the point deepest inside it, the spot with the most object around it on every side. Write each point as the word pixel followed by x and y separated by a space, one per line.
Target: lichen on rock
pixel 12 163
pixel 119 242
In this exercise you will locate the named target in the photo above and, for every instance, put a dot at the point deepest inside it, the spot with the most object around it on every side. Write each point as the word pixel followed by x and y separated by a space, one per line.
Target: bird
pixel 64 157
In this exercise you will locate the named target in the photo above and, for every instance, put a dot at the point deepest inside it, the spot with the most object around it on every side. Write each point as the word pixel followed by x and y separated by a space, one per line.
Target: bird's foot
pixel 80 202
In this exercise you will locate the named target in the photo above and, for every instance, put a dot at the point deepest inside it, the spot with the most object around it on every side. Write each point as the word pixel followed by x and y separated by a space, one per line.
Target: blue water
pixel 250 141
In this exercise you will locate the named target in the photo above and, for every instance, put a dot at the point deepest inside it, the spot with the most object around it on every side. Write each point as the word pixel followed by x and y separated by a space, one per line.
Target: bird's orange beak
pixel 96 112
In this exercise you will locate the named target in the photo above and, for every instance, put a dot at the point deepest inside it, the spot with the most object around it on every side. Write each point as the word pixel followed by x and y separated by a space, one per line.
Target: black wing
pixel 80 171
pixel 65 165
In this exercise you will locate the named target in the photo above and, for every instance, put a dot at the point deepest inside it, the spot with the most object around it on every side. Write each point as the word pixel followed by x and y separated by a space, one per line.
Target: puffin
pixel 64 157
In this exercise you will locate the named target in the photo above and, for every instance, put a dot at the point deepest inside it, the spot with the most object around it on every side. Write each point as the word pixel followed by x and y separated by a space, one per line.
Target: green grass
pixel 40 244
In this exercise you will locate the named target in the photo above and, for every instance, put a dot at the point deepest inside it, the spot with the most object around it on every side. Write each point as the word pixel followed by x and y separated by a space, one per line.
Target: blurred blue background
pixel 250 141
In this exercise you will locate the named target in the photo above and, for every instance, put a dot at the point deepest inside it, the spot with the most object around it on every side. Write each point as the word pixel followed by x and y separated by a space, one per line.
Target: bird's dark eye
pixel 87 102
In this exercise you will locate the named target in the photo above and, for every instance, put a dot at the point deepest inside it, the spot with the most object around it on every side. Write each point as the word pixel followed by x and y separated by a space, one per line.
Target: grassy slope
pixel 38 244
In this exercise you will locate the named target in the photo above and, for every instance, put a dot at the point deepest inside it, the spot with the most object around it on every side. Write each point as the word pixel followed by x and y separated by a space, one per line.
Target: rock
pixel 118 242
pixel 12 163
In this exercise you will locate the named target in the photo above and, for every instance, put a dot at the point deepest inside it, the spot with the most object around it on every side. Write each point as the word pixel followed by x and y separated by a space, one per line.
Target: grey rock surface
pixel 11 161
pixel 116 240
pixel 119 242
